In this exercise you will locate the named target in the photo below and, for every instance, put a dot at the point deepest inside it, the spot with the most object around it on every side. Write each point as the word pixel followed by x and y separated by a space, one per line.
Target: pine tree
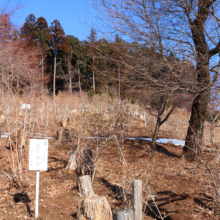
pixel 58 45
pixel 118 55
pixel 92 50
pixel 43 32
pixel 29 30
pixel 76 63
pixel 102 64
pixel 57 38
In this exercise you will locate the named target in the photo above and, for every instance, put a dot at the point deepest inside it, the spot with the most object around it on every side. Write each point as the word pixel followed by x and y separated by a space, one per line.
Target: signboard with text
pixel 38 154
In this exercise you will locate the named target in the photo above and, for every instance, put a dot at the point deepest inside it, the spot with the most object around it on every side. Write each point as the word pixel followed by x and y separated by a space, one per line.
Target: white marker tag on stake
pixel 25 106
pixel 38 154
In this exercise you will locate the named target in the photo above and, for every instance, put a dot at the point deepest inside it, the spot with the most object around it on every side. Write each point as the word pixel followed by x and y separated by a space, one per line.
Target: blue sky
pixel 75 16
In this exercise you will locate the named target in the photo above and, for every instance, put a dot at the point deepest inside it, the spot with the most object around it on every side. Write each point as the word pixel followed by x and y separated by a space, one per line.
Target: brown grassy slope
pixel 183 190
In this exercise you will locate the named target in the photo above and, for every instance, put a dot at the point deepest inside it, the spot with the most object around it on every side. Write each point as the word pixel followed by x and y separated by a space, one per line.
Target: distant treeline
pixel 93 65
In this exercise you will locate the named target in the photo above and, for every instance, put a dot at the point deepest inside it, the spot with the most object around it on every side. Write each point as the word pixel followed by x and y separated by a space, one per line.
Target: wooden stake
pixel 137 193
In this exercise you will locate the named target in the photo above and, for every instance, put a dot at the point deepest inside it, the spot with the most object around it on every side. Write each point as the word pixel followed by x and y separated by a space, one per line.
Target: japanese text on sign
pixel 38 154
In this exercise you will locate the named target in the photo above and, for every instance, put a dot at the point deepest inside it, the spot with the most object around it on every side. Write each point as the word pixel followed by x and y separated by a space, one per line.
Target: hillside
pixel 182 190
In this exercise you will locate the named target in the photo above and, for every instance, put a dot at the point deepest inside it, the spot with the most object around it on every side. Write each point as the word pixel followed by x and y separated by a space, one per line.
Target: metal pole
pixel 37 193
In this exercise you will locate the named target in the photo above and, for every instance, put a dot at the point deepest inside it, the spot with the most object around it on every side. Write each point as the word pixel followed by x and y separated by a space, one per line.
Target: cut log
pixel 85 186
pixel 72 164
pixel 96 208
pixel 137 193
pixel 124 214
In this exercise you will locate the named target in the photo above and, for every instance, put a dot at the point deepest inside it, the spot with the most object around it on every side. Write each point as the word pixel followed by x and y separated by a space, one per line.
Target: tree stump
pixel 72 164
pixel 85 186
pixel 64 135
pixel 124 214
pixel 96 208
pixel 85 164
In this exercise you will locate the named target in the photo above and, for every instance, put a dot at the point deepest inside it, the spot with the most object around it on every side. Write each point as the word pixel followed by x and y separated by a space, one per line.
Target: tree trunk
pixel 119 82
pixel 93 76
pixel 85 164
pixel 161 109
pixel 156 131
pixel 64 135
pixel 80 90
pixel 192 148
pixel 54 77
pixel 42 74
pixel 70 85
pixel 96 208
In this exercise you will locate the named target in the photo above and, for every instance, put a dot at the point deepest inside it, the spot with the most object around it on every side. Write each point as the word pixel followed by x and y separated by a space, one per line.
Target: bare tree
pixel 159 91
pixel 19 63
pixel 188 29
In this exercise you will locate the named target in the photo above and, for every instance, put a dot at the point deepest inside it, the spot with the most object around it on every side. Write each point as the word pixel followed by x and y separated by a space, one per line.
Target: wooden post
pixel 137 194
pixel 124 214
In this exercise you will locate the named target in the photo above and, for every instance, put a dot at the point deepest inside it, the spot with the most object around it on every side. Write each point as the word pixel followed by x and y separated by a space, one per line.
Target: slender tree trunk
pixel 156 131
pixel 54 77
pixel 80 89
pixel 70 85
pixel 70 74
pixel 42 74
pixel 119 81
pixel 159 122
pixel 212 130
pixel 93 75
pixel 106 82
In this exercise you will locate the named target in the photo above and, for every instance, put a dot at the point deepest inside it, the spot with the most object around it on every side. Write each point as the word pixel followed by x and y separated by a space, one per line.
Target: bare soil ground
pixel 179 191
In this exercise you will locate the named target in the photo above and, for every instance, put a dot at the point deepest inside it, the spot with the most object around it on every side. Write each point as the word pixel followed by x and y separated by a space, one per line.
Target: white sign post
pixel 38 157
